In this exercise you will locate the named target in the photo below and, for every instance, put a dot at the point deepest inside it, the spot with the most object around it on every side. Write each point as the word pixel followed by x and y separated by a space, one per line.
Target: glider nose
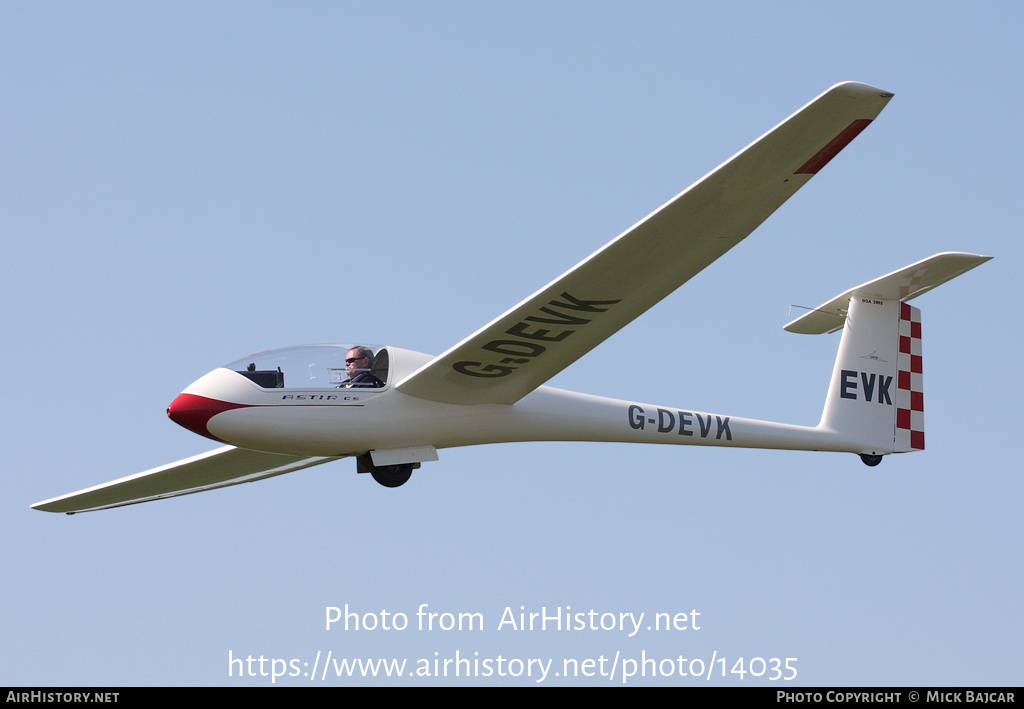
pixel 194 412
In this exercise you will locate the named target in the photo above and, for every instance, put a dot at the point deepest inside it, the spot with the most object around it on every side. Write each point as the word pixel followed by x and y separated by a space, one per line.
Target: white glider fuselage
pixel 227 406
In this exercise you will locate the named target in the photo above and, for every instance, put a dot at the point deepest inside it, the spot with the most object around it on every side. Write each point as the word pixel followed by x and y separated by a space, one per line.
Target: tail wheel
pixel 869 460
pixel 392 475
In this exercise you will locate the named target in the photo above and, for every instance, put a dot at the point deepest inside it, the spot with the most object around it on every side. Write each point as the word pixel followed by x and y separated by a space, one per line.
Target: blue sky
pixel 184 184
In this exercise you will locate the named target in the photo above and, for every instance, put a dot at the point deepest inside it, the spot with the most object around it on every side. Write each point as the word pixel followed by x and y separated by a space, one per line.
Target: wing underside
pixel 217 468
pixel 522 349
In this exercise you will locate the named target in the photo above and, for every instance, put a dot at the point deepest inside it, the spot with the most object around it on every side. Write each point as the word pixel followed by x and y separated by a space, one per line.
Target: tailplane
pixel 876 396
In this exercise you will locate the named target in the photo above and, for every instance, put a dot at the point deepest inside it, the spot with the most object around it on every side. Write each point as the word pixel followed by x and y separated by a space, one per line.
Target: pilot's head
pixel 358 360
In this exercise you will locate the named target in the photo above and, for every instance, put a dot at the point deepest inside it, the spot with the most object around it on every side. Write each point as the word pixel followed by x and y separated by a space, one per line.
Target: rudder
pixel 909 433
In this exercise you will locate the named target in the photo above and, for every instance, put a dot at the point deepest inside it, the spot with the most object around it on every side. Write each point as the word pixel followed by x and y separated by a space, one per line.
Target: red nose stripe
pixel 194 412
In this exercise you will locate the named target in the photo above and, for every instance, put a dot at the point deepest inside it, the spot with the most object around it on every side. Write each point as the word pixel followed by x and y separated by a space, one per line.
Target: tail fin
pixel 876 397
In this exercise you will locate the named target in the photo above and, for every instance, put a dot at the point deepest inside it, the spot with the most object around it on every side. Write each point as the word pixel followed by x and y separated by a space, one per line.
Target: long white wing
pixel 218 468
pixel 557 325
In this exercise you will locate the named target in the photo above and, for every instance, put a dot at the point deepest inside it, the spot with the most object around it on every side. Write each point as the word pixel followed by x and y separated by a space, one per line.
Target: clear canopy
pixel 316 367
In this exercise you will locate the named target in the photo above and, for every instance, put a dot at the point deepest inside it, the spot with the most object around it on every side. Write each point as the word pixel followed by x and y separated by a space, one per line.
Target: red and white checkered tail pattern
pixel 909 385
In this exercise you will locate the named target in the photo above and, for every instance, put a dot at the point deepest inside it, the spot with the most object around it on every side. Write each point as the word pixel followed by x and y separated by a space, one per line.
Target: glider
pixel 393 409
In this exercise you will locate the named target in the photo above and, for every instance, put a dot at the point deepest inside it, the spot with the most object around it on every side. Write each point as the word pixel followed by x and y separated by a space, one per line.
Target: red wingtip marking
pixel 822 157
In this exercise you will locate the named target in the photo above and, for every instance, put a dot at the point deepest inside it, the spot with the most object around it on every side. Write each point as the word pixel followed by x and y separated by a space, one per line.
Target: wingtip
pixel 857 89
pixel 52 505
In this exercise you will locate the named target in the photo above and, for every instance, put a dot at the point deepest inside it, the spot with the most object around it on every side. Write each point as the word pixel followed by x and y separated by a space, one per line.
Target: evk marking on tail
pixel 849 386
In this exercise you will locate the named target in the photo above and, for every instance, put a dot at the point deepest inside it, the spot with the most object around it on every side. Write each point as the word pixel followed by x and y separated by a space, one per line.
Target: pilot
pixel 358 363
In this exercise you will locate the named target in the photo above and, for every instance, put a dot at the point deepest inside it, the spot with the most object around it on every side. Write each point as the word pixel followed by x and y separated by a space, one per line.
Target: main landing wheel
pixel 392 475
pixel 870 460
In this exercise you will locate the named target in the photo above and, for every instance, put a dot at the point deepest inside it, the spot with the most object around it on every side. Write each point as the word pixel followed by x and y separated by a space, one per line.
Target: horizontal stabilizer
pixel 217 468
pixel 903 285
